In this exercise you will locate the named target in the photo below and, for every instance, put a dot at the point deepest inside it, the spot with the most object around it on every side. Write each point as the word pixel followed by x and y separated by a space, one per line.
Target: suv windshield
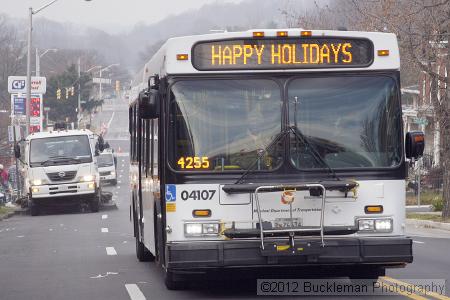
pixel 222 125
pixel 351 122
pixel 60 151
pixel 105 160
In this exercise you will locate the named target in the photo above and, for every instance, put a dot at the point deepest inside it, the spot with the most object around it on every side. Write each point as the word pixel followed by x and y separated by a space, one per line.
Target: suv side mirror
pixel 17 153
pixel 149 104
pixel 414 144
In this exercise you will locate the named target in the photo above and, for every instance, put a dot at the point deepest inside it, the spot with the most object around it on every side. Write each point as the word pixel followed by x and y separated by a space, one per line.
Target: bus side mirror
pixel 414 144
pixel 17 151
pixel 149 104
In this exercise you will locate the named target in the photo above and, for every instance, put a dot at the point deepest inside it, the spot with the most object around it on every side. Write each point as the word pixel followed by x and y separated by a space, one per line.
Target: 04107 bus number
pixel 198 195
pixel 193 162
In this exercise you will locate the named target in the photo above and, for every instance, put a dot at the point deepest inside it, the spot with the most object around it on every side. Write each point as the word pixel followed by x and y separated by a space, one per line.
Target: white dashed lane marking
pixel 111 251
pixel 104 217
pixel 105 229
pixel 134 292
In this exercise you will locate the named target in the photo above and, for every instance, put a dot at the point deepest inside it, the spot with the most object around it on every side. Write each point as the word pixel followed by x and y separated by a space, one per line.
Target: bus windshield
pixel 351 122
pixel 345 122
pixel 222 125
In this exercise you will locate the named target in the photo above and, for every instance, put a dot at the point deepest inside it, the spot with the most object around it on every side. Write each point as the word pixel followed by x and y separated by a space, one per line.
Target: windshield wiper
pixel 261 153
pixel 56 159
pixel 302 138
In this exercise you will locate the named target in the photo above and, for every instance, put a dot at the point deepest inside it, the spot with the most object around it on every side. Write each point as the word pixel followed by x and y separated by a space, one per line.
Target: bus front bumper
pixel 380 251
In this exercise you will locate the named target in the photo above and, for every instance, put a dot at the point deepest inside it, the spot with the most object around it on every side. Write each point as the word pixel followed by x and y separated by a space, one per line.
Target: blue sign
pixel 171 193
pixel 19 106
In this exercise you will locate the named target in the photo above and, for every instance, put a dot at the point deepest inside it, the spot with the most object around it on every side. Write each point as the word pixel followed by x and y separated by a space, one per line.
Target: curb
pixel 19 211
pixel 419 208
pixel 7 216
pixel 428 224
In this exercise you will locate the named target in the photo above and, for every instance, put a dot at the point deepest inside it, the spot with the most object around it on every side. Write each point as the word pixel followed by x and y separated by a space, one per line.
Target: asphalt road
pixel 83 255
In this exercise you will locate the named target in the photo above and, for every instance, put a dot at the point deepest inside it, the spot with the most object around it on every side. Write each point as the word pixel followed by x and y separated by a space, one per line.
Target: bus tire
pixel 368 273
pixel 172 284
pixel 142 252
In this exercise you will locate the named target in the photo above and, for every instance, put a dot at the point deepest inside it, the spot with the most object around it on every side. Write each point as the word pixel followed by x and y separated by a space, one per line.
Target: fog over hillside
pixel 133 48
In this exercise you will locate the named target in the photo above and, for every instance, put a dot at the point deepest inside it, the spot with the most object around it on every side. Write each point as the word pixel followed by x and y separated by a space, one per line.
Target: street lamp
pixel 30 35
pixel 38 59
pixel 100 85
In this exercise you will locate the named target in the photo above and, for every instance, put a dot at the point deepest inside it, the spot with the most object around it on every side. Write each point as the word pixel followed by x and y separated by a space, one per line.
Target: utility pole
pixel 79 93
pixel 38 63
pixel 28 83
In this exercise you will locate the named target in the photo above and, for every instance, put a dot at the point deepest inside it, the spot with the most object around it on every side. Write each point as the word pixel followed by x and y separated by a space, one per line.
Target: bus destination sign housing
pixel 285 53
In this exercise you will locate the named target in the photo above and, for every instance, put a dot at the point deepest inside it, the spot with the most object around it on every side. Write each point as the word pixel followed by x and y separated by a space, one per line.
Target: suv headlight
pixel 375 225
pixel 87 178
pixel 201 229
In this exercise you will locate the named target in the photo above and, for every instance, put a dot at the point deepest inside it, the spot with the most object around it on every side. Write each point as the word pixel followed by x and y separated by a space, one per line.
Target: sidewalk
pixel 427 220
pixel 9 209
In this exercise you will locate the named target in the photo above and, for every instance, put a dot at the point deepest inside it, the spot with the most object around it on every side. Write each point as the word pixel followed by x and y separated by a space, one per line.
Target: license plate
pixel 287 222
pixel 63 188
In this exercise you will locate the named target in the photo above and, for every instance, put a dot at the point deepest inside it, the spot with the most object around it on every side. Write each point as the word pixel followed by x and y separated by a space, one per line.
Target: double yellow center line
pixel 410 295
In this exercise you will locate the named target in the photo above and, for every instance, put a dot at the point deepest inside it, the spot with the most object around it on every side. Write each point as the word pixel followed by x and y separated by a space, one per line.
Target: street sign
pixel 420 121
pixel 17 84
pixel 101 80
pixel 11 133
pixel 18 105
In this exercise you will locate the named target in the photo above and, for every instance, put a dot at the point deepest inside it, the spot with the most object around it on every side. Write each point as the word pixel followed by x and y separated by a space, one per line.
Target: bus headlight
pixel 375 225
pixel 383 225
pixel 201 229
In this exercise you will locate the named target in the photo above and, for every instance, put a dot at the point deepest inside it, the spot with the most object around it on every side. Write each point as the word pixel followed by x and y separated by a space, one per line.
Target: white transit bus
pixel 271 149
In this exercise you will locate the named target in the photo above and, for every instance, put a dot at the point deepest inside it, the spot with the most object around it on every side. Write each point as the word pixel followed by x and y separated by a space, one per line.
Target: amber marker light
pixel 201 213
pixel 282 33
pixel 419 138
pixel 306 33
pixel 258 34
pixel 182 57
pixel 383 52
pixel 373 209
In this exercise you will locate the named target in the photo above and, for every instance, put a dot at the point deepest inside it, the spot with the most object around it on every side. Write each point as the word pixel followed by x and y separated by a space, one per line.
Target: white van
pixel 107 167
pixel 61 168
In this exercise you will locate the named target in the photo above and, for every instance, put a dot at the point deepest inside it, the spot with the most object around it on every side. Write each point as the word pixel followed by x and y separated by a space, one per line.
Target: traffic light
pixel 58 94
pixel 117 86
pixel 67 93
pixel 72 91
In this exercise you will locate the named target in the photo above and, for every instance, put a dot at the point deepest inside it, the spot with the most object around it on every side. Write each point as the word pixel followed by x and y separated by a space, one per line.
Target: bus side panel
pixel 148 207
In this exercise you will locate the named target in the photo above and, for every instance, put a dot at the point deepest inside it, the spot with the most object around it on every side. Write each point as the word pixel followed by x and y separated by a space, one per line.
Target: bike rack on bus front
pixel 291 231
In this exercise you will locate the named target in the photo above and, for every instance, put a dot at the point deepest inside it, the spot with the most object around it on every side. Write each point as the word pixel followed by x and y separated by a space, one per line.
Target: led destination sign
pixel 298 53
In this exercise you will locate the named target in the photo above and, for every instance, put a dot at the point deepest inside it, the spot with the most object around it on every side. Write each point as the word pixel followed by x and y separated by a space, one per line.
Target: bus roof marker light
pixel 258 34
pixel 182 56
pixel 383 52
pixel 306 33
pixel 282 33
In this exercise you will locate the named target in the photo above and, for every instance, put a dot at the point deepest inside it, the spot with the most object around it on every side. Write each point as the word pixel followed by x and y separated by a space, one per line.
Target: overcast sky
pixel 110 15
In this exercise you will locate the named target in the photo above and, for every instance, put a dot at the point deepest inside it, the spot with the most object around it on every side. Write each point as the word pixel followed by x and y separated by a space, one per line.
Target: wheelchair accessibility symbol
pixel 171 192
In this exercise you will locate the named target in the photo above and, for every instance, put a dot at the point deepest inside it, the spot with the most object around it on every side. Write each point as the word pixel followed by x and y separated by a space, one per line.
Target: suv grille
pixel 62 176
